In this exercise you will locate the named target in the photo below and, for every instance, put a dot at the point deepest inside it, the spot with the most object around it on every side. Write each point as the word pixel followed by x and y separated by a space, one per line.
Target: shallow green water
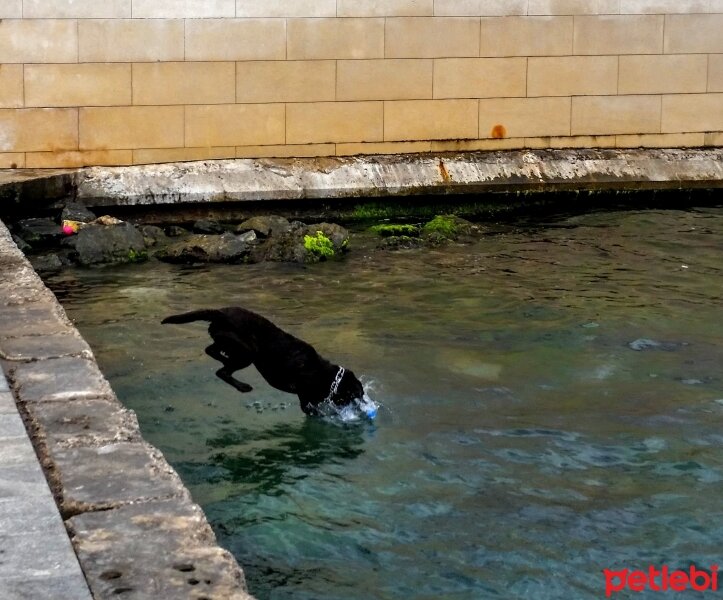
pixel 523 444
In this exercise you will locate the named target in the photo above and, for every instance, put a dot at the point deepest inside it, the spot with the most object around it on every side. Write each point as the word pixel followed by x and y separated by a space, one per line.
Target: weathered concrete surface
pixel 135 530
pixel 36 557
pixel 381 176
pixel 366 176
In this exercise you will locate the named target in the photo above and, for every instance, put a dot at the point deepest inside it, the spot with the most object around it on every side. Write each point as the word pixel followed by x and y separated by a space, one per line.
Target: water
pixel 551 399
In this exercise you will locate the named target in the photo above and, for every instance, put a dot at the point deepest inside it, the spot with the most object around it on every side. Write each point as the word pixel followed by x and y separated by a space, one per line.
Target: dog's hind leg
pixel 226 374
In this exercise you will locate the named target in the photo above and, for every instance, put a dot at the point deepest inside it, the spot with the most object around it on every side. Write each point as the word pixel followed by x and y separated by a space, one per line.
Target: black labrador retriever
pixel 241 338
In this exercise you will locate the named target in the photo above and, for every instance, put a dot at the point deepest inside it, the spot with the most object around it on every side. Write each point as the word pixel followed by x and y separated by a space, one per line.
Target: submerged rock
pixel 47 264
pixel 400 242
pixel 304 244
pixel 98 244
pixel 447 228
pixel 265 226
pixel 200 248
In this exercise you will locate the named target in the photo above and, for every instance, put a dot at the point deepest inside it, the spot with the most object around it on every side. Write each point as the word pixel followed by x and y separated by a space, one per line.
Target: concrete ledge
pixel 134 527
pixel 400 175
pixel 242 180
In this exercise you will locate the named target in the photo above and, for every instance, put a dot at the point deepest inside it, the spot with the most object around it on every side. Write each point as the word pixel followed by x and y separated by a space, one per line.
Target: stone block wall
pixel 139 81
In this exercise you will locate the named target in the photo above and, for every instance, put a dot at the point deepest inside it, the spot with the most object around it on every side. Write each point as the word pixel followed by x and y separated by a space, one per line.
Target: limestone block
pixel 46 160
pixel 12 160
pixel 694 33
pixel 35 129
pixel 11 86
pixel 11 9
pixel 526 36
pixel 479 77
pixel 235 39
pixel 286 8
pixel 666 7
pixel 479 8
pixel 323 122
pixel 76 9
pixel 593 115
pixel 663 74
pixel 573 7
pixel 286 151
pixel 130 40
pixel 715 73
pixel 692 112
pixel 432 37
pixel 130 127
pixel 430 120
pixel 524 117
pixel 285 81
pixel 385 8
pixel 171 83
pixel 38 41
pixel 234 125
pixel 572 76
pixel 183 9
pixel 335 39
pixel 388 79
pixel 78 85
pixel 618 34
pixel 164 155
pixel 658 140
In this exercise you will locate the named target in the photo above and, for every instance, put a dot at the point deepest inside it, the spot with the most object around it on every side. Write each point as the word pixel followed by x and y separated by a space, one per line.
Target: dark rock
pixel 97 244
pixel 74 211
pixel 447 228
pixel 46 264
pixel 226 248
pixel 22 245
pixel 39 232
pixel 400 242
pixel 307 244
pixel 175 231
pixel 208 226
pixel 152 235
pixel 265 226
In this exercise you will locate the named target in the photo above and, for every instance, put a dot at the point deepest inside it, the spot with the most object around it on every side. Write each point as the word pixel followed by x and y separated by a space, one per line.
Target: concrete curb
pixel 242 180
pixel 133 525
pixel 400 175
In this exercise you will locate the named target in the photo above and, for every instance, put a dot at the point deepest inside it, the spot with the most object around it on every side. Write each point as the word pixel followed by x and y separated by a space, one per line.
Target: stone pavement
pixel 37 561
pixel 134 528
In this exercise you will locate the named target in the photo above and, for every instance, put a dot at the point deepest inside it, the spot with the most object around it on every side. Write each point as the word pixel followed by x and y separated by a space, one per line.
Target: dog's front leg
pixel 226 374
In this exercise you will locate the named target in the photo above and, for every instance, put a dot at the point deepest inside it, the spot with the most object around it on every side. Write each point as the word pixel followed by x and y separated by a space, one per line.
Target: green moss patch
pixel 395 229
pixel 319 245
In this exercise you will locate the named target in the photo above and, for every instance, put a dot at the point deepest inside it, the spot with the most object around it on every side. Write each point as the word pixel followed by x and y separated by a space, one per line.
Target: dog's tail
pixel 205 314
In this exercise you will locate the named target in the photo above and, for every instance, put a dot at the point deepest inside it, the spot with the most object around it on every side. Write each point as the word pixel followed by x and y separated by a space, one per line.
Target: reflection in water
pixel 270 456
pixel 553 407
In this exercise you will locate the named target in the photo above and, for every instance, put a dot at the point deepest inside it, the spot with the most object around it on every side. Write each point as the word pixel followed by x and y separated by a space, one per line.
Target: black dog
pixel 241 338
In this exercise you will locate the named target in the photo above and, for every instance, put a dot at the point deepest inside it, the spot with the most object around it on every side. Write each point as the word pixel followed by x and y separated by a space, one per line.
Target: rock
pixel 152 235
pixel 175 231
pixel 97 244
pixel 264 226
pixel 307 244
pixel 46 264
pixel 400 242
pixel 200 248
pixel 39 232
pixel 248 237
pixel 22 245
pixel 207 226
pixel 643 344
pixel 446 228
pixel 74 211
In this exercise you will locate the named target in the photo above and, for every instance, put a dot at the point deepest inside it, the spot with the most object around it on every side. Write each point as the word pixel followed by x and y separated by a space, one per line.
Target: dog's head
pixel 349 389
